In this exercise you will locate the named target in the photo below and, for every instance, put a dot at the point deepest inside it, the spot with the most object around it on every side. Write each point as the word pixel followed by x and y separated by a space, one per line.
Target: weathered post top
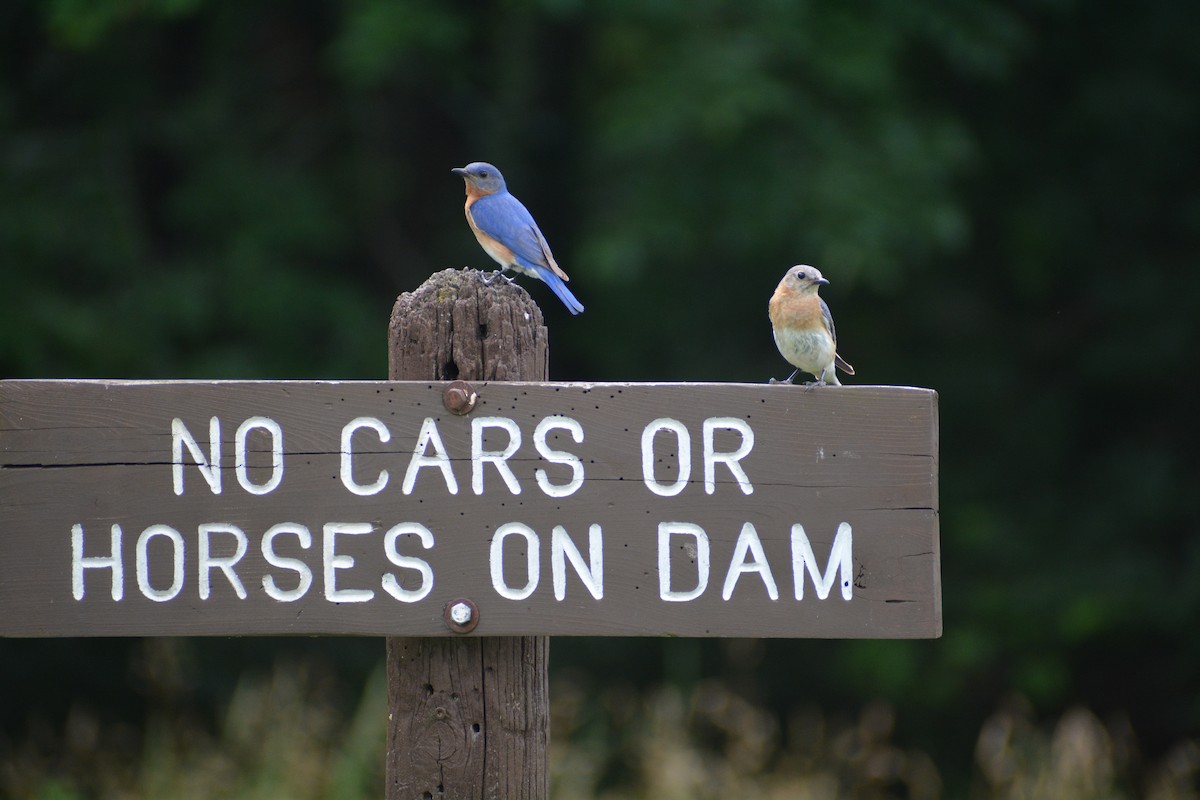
pixel 457 326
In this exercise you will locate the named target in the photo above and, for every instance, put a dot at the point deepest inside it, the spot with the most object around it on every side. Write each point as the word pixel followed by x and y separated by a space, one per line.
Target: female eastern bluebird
pixel 507 232
pixel 803 326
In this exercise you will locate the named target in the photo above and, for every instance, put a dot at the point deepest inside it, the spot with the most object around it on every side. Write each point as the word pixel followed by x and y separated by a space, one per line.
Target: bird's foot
pixel 497 273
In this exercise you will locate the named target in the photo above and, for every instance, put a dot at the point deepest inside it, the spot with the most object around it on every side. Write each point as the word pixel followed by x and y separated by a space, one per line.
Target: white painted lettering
pixel 143 562
pixel 731 460
pixel 558 456
pixel 294 564
pixel 210 467
pixel 749 543
pixel 841 560
pixel 698 552
pixel 334 561
pixel 80 562
pixel 479 456
pixel 390 583
pixel 496 559
pixel 241 460
pixel 347 471
pixel 683 456
pixel 207 562
pixel 562 549
pixel 429 436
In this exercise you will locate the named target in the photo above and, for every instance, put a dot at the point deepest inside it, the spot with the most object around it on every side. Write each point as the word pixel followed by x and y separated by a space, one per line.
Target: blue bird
pixel 506 230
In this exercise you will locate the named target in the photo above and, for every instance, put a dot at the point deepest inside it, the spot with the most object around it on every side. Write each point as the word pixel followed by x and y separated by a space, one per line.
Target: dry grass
pixel 710 743
pixel 281 737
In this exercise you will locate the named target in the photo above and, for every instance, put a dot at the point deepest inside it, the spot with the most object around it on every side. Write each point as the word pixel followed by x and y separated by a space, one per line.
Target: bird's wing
pixel 828 320
pixel 841 363
pixel 505 219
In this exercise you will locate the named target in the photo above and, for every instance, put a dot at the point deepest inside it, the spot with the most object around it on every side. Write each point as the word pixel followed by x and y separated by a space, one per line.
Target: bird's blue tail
pixel 559 288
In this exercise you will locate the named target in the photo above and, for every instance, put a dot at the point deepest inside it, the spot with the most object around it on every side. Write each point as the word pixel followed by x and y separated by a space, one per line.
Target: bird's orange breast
pixel 797 310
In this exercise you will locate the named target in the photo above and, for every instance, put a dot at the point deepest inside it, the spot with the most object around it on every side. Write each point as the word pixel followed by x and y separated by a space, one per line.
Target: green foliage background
pixel 1006 197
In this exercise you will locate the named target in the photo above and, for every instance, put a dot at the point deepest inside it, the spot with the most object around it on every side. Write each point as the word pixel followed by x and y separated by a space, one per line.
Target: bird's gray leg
pixel 788 380
pixel 496 273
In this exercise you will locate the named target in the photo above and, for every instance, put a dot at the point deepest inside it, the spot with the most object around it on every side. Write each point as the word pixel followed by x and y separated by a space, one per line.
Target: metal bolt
pixel 459 398
pixel 461 615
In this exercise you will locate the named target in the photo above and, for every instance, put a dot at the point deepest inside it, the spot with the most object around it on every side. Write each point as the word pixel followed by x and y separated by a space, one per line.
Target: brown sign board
pixel 146 508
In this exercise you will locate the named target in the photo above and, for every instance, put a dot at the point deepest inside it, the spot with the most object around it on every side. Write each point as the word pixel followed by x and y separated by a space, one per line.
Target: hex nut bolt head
pixel 461 615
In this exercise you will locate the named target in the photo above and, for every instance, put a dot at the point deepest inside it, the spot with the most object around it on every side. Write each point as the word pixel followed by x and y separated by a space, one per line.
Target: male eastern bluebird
pixel 803 326
pixel 507 232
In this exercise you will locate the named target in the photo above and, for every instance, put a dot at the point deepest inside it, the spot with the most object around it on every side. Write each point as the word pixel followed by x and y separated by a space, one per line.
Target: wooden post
pixel 467 717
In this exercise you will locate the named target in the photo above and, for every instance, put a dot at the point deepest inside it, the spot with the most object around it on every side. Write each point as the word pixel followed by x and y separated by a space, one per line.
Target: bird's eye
pixel 483 173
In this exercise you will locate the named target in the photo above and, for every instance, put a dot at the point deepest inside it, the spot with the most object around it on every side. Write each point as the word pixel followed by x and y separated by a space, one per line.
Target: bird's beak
pixel 822 281
pixel 461 171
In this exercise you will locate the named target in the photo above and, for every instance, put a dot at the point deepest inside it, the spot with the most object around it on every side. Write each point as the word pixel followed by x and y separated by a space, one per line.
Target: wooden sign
pixel 139 508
